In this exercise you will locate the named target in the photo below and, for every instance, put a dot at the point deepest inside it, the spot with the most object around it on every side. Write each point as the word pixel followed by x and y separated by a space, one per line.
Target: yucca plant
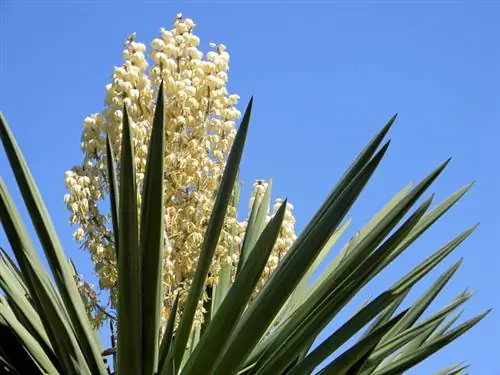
pixel 272 333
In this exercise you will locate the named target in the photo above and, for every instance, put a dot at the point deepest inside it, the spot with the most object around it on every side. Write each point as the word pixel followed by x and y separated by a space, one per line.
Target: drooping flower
pixel 200 128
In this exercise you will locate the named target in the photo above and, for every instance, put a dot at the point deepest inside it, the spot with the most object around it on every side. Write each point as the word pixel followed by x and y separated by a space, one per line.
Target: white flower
pixel 158 44
pixel 200 119
pixel 189 23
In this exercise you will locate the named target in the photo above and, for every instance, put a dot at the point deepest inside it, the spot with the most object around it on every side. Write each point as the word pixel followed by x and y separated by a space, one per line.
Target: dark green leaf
pixel 294 265
pixel 407 362
pixel 223 323
pixel 224 283
pixel 168 335
pixel 53 250
pixel 211 237
pixel 331 296
pixel 129 263
pixel 45 299
pixel 346 360
pixel 152 240
pixel 343 334
pixel 113 192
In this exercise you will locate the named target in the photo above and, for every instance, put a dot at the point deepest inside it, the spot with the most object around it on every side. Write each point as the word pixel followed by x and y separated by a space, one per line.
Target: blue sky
pixel 326 76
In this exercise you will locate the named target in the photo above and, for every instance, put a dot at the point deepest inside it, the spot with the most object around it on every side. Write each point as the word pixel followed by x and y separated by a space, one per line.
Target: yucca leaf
pixel 451 369
pixel 48 306
pixel 256 224
pixel 152 241
pixel 429 219
pixel 260 221
pixel 19 314
pixel 419 307
pixel 386 315
pixel 397 340
pixel 222 325
pixel 407 199
pixel 211 238
pixel 324 252
pixel 299 294
pixel 75 273
pixel 372 224
pixel 346 360
pixel 297 297
pixel 347 249
pixel 414 343
pixel 359 163
pixel 442 208
pixel 168 335
pixel 345 295
pixel 53 250
pixel 31 344
pixel 14 269
pixel 460 371
pixel 293 266
pixel 366 265
pixel 389 206
pixel 343 334
pixel 428 264
pixel 194 338
pixel 421 339
pixel 21 319
pixel 358 365
pixel 446 326
pixel 407 362
pixel 270 335
pixel 354 169
pixel 382 228
pixel 351 172
pixel 113 193
pixel 304 339
pixel 300 291
pixel 248 231
pixel 129 263
pixel 16 294
pixel 224 283
pixel 420 271
pixel 432 261
pixel 337 290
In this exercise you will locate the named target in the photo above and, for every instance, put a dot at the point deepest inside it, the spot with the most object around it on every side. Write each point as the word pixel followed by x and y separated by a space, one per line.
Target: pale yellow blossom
pixel 200 129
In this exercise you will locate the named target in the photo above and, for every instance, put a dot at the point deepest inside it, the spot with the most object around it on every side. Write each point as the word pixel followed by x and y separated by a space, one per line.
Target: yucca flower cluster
pixel 200 118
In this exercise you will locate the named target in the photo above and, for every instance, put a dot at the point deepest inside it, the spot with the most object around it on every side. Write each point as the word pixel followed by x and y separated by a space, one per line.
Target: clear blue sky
pixel 326 76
